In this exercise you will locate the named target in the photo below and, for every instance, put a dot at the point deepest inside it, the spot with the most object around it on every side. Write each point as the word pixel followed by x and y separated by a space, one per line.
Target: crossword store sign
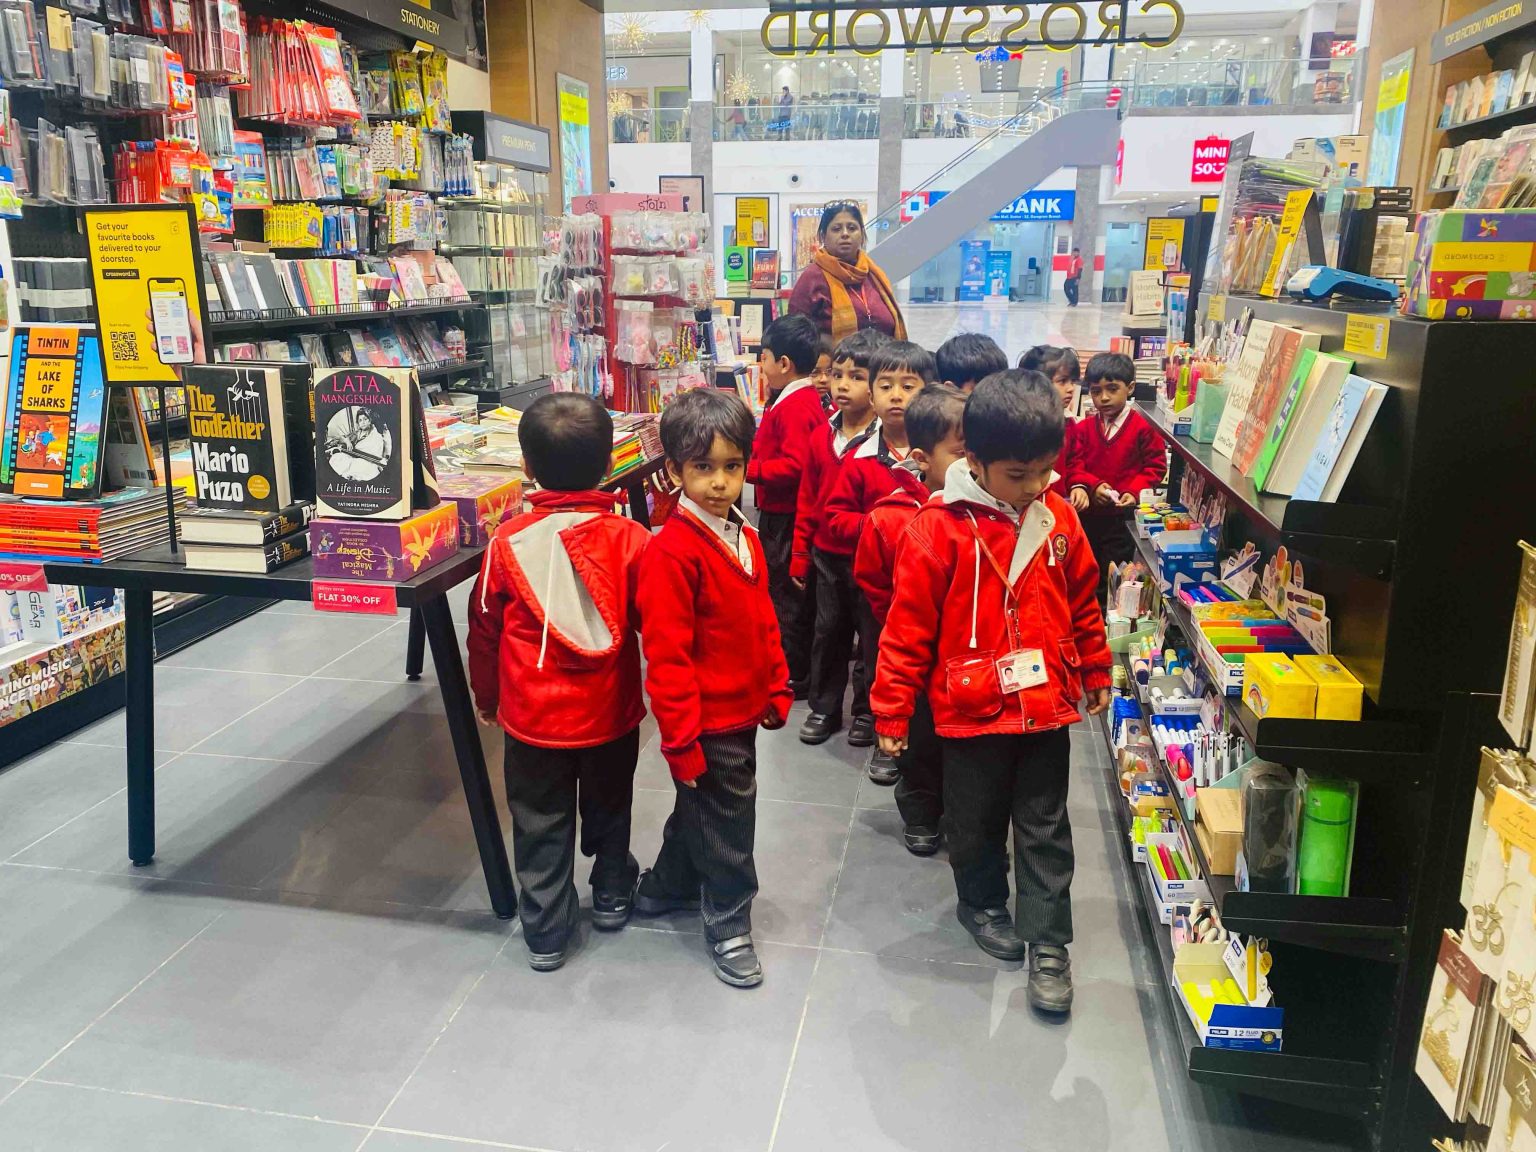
pixel 870 30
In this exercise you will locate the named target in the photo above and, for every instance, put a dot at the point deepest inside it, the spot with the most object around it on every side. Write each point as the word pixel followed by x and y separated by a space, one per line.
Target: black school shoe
pixel 818 728
pixel 1050 978
pixel 992 929
pixel 920 840
pixel 736 962
pixel 880 767
pixel 545 961
pixel 861 733
pixel 657 903
pixel 610 910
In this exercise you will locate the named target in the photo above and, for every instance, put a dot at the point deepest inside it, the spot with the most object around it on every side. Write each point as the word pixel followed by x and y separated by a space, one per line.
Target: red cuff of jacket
pixel 893 726
pixel 686 763
pixel 800 566
pixel 779 704
pixel 1095 678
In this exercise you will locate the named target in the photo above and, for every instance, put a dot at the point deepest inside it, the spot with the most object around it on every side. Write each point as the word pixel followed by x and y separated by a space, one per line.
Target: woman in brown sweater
pixel 842 290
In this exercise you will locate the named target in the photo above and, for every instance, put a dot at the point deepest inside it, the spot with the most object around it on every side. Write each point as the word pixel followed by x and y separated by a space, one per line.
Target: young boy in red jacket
pixel 779 452
pixel 1061 364
pixel 898 371
pixel 826 568
pixel 994 617
pixel 715 672
pixel 937 439
pixel 1115 453
pixel 553 657
pixel 967 359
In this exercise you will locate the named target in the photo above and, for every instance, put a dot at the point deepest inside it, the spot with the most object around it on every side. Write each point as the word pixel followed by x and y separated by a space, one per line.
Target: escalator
pixel 1072 126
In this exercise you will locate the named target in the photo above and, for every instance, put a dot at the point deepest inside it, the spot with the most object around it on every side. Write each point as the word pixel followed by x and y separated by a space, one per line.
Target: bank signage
pixel 1208 165
pixel 870 30
pixel 1039 206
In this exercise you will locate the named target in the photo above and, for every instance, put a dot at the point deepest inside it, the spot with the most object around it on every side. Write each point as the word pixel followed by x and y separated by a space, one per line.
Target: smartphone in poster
pixel 146 281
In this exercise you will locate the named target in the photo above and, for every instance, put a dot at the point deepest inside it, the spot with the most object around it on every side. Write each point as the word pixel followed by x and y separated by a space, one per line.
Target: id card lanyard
pixel 1020 667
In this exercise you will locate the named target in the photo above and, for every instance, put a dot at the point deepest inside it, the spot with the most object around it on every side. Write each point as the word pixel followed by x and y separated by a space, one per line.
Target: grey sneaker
pixel 545 961
pixel 736 962
pixel 1050 978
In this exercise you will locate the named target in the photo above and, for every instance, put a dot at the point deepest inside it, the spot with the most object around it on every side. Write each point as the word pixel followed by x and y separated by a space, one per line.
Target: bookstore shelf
pixel 1509 118
pixel 337 313
pixel 439 368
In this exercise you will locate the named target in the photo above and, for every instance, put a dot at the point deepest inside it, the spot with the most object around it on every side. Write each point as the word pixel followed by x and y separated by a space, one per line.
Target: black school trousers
pixel 991 782
pixel 920 788
pixel 546 788
pixel 838 615
pixel 795 609
pixel 707 844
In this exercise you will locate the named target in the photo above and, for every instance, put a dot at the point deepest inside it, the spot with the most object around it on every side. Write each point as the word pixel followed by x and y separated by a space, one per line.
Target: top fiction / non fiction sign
pixel 871 29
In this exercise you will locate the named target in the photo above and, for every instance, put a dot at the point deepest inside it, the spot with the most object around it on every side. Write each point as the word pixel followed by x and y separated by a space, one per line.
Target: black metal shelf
pixel 1357 536
pixel 436 368
pixel 1509 118
pixel 342 313
pixel 1363 926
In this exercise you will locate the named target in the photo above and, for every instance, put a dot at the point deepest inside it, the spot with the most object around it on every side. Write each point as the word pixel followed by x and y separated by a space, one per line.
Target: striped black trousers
pixel 990 781
pixel 706 847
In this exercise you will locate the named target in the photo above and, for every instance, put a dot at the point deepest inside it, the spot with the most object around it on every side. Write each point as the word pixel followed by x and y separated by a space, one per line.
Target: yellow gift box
pixel 1339 694
pixel 1273 685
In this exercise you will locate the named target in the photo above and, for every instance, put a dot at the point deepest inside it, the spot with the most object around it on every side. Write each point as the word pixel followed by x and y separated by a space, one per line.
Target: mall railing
pixel 1246 83
pixel 1004 136
pixel 649 126
pixel 971 117
pixel 853 118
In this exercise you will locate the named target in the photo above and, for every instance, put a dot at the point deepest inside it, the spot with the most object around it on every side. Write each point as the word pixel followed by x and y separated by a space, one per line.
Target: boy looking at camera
pixel 1115 453
pixel 714 672
pixel 993 616
pixel 554 659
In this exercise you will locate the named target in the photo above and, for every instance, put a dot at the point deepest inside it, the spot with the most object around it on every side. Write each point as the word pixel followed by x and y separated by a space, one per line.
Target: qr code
pixel 125 345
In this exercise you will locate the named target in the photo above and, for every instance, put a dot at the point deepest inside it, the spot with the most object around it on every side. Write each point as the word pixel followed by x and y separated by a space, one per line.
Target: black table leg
pixel 139 632
pixel 437 623
pixel 639 507
pixel 415 644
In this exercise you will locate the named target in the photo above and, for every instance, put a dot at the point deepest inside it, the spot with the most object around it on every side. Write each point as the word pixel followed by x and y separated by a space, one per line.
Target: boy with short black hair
pixel 779 453
pixel 967 358
pixel 899 371
pixel 1115 453
pixel 994 617
pixel 1060 364
pixel 935 432
pixel 554 659
pixel 824 564
pixel 715 672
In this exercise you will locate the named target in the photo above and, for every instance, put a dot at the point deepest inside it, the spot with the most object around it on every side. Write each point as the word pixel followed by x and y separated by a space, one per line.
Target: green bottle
pixel 1327 837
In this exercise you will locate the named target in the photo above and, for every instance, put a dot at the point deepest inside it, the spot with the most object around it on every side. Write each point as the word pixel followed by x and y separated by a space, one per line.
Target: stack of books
pixel 89 531
pixel 230 540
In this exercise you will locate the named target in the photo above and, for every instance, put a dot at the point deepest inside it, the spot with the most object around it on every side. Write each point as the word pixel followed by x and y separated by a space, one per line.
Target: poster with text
pixel 1165 243
pixel 973 269
pixel 575 137
pixel 999 272
pixel 1391 112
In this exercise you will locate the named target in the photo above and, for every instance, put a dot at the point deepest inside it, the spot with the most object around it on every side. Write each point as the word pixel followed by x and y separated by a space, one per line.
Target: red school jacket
pixel 553 653
pixel 874 562
pixel 867 476
pixel 821 472
pixel 948 623
pixel 783 444
pixel 713 662
pixel 1135 459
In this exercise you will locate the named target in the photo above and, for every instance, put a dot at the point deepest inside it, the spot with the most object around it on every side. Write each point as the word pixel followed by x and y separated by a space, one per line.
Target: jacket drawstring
pixel 549 590
pixel 976 579
pixel 485 573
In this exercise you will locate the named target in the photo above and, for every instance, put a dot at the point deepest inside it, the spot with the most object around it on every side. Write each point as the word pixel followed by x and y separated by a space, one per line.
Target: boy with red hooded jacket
pixel 554 658
pixel 994 616
pixel 715 671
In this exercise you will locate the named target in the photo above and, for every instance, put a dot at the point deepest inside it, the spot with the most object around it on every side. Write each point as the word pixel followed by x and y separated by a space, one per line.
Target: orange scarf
pixel 845 321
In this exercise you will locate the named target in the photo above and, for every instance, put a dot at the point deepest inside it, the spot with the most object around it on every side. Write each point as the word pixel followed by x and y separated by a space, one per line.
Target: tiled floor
pixel 310 965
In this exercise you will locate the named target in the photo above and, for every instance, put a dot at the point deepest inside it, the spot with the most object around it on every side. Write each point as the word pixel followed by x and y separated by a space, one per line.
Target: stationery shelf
pixel 1370 751
pixel 335 314
pixel 1363 926
pixel 1348 1087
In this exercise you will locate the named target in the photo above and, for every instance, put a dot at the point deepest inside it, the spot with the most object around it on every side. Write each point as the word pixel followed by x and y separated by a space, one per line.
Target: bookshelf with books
pixel 1409 544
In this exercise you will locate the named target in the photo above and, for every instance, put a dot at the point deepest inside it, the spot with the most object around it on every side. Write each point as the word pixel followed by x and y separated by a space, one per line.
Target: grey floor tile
pixel 799 851
pixel 386 1141
pixel 303 1010
pixel 62 1118
pixel 299 647
pixel 71 946
pixel 632 1046
pixel 902 1054
pixel 786 768
pixel 52 787
pixel 191 705
pixel 219 820
pixel 394 725
pixel 383 658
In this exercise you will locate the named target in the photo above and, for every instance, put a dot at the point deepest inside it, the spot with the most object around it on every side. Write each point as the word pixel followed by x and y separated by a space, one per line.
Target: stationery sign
pixel 147 284
pixel 337 596
pixel 1209 163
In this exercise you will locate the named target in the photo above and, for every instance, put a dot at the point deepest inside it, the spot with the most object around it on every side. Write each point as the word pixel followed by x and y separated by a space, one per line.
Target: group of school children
pixel 937 540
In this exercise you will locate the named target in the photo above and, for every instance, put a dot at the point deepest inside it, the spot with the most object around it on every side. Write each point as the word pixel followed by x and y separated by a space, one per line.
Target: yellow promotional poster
pixel 752 221
pixel 1367 336
pixel 1290 228
pixel 1165 243
pixel 147 283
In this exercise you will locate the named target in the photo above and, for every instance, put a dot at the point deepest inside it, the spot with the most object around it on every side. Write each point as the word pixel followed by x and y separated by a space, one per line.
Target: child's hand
pixel 1103 495
pixel 486 718
pixel 772 720
pixel 797 582
pixel 1098 701
pixel 1079 498
pixel 893 745
pixel 689 783
pixel 1127 500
